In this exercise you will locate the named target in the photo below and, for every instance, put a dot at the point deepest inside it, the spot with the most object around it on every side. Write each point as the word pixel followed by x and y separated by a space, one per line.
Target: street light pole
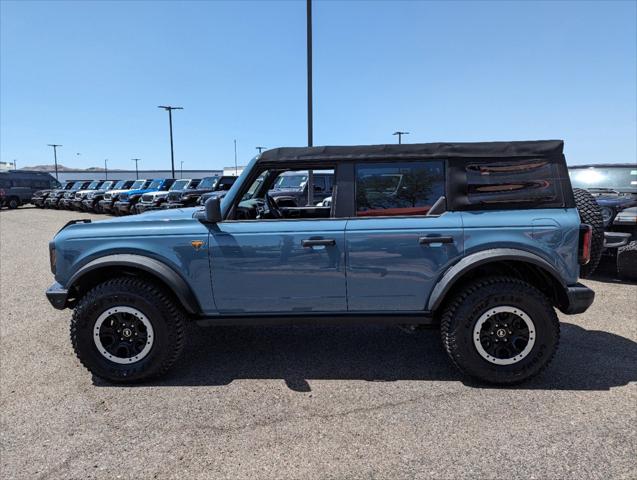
pixel 310 133
pixel 236 170
pixel 260 149
pixel 400 136
pixel 55 156
pixel 106 169
pixel 181 170
pixel 170 109
pixel 136 172
pixel 15 165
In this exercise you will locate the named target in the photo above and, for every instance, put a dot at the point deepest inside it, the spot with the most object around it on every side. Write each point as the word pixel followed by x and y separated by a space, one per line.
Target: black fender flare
pixel 455 273
pixel 150 265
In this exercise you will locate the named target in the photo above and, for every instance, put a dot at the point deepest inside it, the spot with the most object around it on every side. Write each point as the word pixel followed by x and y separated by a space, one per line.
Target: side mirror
pixel 213 210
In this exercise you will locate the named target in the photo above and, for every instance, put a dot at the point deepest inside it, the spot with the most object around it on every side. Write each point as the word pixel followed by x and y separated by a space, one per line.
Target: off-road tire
pixel 13 203
pixel 627 261
pixel 166 316
pixel 590 213
pixel 462 313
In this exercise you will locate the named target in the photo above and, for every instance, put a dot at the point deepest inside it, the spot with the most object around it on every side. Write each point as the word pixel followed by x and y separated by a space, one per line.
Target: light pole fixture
pixel 260 149
pixel 55 156
pixel 136 171
pixel 400 136
pixel 170 109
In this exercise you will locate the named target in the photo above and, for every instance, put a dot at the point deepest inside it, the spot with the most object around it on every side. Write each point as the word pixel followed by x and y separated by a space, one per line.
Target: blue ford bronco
pixel 483 240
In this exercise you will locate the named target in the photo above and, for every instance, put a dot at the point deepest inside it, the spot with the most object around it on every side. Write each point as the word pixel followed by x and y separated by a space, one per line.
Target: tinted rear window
pixel 528 181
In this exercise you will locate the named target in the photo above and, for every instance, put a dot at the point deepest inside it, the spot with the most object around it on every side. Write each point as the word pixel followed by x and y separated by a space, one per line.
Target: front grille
pixel 108 196
pixel 174 196
pixel 123 197
pixel 78 196
pixel 147 198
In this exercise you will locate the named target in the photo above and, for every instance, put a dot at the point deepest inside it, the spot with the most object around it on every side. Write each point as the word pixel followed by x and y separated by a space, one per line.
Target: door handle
pixel 309 243
pixel 429 240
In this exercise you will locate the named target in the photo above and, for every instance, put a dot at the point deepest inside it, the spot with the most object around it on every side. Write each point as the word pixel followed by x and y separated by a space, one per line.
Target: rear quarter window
pixel 508 183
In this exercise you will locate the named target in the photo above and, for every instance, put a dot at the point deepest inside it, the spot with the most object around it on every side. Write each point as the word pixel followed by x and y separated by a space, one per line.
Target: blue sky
pixel 89 75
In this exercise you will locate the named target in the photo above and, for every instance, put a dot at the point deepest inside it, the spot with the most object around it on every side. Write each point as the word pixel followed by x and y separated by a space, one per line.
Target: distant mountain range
pixel 62 168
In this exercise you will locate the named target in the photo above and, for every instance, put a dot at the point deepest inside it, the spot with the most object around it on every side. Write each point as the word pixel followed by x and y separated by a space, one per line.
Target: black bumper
pixel 58 296
pixel 579 298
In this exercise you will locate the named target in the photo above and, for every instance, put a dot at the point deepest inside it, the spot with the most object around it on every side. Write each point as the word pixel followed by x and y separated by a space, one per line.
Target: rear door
pixel 395 251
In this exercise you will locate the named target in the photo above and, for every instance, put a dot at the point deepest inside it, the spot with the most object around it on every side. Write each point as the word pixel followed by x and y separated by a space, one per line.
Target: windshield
pixel 77 185
pixel 208 183
pixel 106 185
pixel 155 184
pixel 290 181
pixel 614 178
pixel 179 185
pixel 137 184
pixel 93 185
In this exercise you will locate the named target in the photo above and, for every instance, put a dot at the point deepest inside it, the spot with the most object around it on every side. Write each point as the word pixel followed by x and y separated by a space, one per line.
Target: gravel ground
pixel 306 402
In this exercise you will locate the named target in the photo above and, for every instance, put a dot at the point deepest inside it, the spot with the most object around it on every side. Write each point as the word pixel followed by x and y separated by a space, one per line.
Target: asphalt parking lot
pixel 306 402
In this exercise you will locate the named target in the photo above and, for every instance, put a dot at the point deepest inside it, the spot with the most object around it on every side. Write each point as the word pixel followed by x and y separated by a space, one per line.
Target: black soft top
pixel 535 148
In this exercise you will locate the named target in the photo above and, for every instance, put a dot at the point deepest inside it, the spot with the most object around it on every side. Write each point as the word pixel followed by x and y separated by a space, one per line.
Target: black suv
pixel 614 188
pixel 191 198
pixel 290 189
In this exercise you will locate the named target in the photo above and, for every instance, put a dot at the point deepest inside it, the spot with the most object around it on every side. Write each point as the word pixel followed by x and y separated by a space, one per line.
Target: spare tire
pixel 590 213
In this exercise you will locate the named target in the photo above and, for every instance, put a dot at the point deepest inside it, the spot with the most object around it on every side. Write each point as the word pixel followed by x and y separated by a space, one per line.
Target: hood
pixel 139 192
pixel 156 223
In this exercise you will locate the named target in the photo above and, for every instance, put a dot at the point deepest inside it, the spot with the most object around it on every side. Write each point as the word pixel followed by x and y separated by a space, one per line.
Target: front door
pixel 278 266
pixel 395 250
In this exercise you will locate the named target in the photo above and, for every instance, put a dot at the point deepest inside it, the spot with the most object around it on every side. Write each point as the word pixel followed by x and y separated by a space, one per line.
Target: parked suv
pixel 128 200
pixel 60 198
pixel 208 186
pixel 90 202
pixel 291 188
pixel 483 240
pixel 154 200
pixel 19 187
pixel 80 195
pixel 107 203
pixel 613 186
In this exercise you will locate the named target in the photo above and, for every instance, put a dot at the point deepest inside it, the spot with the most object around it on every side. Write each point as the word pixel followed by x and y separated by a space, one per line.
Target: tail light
pixel 585 239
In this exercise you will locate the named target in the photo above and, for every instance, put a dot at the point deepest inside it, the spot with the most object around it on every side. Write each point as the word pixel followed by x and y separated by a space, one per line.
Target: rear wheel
pixel 500 330
pixel 127 330
pixel 13 203
pixel 627 261
pixel 590 213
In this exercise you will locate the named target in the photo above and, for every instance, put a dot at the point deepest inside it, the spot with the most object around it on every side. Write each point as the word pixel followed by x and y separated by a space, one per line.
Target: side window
pixel 405 188
pixel 5 183
pixel 511 181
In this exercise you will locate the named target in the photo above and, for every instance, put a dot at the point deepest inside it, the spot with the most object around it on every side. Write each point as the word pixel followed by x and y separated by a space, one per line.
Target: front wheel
pixel 127 330
pixel 500 330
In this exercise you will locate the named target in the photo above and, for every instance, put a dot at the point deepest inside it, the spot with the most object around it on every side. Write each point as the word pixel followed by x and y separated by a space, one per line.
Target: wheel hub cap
pixel 504 335
pixel 123 335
